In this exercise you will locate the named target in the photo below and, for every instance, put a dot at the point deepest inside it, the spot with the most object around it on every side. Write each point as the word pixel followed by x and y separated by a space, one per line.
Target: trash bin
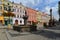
pixel 9 26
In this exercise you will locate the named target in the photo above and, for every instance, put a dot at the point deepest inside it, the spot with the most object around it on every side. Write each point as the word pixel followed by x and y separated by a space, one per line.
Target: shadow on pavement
pixel 48 34
pixel 54 27
pixel 17 34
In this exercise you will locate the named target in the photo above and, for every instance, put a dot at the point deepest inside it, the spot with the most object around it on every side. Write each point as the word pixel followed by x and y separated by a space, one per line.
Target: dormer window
pixel 20 7
pixel 8 3
pixel 16 6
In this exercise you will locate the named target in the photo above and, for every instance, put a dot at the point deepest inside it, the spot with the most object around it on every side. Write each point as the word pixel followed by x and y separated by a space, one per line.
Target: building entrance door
pixel 6 22
pixel 0 22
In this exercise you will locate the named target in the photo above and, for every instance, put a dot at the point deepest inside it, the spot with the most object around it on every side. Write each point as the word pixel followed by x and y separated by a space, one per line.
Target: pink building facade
pixel 31 15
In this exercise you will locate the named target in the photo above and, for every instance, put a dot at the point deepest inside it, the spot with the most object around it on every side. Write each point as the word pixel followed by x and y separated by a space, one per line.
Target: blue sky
pixel 41 5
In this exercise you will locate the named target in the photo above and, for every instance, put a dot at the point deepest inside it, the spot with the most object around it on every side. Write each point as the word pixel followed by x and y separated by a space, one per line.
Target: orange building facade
pixel 32 14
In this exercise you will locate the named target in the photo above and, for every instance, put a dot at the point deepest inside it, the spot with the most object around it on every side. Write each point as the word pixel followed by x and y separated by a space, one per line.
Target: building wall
pixel 39 16
pixel 39 19
pixel 31 15
pixel 42 18
pixel 2 10
pixel 19 19
pixel 19 11
pixel 45 18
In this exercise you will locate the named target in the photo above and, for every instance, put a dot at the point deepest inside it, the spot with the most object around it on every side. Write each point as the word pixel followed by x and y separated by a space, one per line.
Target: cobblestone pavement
pixel 45 34
pixel 3 34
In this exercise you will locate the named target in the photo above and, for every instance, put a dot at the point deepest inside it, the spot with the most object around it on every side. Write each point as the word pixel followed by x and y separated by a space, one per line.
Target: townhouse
pixel 32 14
pixel 3 8
pixel 45 18
pixel 19 11
pixel 39 18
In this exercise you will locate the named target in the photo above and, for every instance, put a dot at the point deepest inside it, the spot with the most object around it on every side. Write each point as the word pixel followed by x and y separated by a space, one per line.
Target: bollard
pixel 9 26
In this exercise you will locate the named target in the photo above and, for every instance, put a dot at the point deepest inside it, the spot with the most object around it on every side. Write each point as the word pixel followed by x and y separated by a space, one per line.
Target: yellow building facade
pixel 1 11
pixel 42 18
pixel 39 18
pixel 3 3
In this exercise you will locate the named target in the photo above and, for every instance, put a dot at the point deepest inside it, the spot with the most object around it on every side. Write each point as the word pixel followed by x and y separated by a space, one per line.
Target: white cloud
pixel 47 9
pixel 37 9
pixel 34 3
pixel 28 2
pixel 50 1
pixel 54 11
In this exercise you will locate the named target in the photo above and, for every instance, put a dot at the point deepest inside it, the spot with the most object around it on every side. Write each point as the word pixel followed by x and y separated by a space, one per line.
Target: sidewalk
pixel 3 34
pixel 39 35
pixel 42 34
pixel 3 27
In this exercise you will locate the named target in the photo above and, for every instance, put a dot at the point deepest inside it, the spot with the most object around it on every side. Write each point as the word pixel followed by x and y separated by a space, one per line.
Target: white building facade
pixel 19 11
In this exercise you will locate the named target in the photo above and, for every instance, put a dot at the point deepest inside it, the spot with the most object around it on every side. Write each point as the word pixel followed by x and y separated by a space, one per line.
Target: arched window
pixel 16 21
pixel 8 3
pixel 20 21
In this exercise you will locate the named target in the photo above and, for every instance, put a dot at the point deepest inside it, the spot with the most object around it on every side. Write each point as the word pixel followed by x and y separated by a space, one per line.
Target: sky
pixel 42 5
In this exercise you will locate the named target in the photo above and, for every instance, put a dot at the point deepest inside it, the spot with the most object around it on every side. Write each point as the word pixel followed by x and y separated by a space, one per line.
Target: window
pixel 0 2
pixel 8 8
pixel 0 14
pixel 16 6
pixel 14 10
pixel 5 8
pixel 8 3
pixel 0 7
pixel 23 11
pixel 20 21
pixel 17 10
pixel 16 21
pixel 17 16
pixel 20 16
pixel 20 7
pixel 20 10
